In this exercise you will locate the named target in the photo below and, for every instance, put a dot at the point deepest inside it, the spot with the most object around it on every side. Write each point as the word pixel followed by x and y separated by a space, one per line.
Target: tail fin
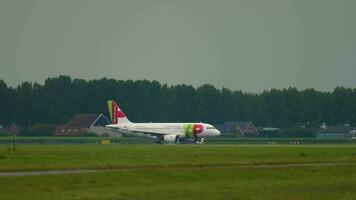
pixel 117 116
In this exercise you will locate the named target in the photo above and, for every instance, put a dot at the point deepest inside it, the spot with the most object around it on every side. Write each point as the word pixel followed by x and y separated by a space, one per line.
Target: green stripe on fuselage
pixel 188 130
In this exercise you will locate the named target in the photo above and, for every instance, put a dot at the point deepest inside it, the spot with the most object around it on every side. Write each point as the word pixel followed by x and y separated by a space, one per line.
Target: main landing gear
pixel 198 141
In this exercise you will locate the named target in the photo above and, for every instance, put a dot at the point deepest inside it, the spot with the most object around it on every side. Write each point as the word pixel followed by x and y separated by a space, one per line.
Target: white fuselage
pixel 182 130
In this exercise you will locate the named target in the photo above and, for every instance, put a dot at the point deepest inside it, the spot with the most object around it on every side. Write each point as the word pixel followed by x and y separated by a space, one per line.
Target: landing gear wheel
pixel 176 140
pixel 195 139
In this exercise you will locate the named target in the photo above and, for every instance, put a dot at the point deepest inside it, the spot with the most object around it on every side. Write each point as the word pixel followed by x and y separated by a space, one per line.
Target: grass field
pixel 224 139
pixel 181 172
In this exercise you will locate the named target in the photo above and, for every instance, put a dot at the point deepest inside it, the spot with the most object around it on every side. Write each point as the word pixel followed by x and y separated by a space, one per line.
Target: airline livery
pixel 163 132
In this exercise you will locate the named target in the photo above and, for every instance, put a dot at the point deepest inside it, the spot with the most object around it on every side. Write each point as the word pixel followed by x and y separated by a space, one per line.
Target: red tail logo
pixel 116 113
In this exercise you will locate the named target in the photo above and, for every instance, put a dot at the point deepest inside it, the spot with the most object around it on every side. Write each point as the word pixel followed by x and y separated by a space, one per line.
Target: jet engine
pixel 170 138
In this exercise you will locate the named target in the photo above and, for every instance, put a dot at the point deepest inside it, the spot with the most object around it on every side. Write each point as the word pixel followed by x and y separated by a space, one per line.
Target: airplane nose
pixel 217 133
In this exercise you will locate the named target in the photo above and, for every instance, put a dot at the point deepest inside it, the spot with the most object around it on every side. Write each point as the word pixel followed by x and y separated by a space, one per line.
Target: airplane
pixel 162 132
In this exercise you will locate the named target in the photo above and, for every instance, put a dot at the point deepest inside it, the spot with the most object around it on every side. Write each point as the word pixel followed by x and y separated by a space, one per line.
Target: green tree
pixel 6 105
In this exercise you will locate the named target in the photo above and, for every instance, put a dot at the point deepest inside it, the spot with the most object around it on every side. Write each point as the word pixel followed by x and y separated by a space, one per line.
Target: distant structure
pixel 238 128
pixel 338 132
pixel 3 130
pixel 323 125
pixel 13 130
pixel 84 123
pixel 269 129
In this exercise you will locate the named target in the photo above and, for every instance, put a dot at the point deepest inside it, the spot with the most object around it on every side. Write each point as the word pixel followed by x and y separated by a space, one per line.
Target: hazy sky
pixel 240 44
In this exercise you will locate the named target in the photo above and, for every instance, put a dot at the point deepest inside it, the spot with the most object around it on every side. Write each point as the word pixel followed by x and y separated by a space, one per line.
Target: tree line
pixel 59 98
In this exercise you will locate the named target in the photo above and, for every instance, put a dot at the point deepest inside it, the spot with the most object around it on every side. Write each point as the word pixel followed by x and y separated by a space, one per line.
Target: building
pixel 83 124
pixel 239 128
pixel 337 132
pixel 12 129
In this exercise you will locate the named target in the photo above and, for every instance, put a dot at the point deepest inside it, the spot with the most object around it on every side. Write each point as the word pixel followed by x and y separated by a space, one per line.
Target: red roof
pixel 83 120
pixel 81 123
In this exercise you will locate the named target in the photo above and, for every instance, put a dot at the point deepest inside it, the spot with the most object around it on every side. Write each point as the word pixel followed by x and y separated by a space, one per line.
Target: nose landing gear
pixel 197 141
